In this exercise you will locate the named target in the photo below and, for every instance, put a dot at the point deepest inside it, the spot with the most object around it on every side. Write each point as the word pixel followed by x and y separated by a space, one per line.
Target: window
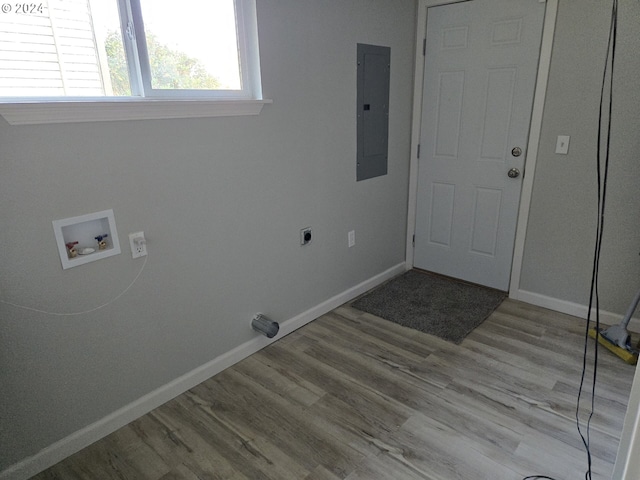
pixel 117 50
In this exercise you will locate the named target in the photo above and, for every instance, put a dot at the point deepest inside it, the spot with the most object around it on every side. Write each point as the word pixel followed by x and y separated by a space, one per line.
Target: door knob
pixel 513 173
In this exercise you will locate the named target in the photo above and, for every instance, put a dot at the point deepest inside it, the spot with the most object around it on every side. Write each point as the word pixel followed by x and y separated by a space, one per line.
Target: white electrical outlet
pixel 138 244
pixel 352 238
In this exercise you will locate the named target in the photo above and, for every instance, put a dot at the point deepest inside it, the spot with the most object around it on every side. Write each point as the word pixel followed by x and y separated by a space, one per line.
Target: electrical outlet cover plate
pixel 305 236
pixel 138 244
pixel 562 145
pixel 352 238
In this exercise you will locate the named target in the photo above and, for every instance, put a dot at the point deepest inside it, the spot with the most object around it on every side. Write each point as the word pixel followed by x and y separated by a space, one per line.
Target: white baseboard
pixel 103 427
pixel 571 308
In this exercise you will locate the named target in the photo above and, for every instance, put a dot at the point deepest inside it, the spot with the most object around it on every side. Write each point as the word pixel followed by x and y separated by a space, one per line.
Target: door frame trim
pixel 544 64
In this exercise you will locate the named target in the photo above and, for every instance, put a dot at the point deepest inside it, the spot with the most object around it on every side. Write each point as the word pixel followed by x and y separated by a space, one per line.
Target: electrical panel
pixel 374 64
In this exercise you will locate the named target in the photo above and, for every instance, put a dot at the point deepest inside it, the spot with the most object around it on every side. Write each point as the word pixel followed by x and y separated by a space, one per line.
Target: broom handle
pixel 632 308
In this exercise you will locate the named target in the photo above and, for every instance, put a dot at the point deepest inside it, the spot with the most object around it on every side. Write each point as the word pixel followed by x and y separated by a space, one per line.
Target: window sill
pixel 79 111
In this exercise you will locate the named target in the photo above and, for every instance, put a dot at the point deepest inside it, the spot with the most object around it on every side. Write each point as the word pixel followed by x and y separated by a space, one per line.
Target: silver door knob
pixel 516 152
pixel 513 173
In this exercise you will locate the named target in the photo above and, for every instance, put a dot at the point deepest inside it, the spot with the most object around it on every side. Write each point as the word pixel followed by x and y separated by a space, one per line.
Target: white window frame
pixel 146 102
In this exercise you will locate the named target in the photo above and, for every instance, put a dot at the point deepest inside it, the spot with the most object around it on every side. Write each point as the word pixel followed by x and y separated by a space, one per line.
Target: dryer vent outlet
pixel 265 325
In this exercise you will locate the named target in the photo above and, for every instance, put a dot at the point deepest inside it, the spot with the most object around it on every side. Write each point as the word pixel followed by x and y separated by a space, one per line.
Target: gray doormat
pixel 432 304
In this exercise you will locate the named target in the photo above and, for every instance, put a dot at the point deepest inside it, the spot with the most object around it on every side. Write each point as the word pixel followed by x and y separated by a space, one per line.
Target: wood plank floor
pixel 351 396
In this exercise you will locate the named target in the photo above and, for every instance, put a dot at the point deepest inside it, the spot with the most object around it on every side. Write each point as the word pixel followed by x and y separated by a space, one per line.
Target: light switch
pixel 562 146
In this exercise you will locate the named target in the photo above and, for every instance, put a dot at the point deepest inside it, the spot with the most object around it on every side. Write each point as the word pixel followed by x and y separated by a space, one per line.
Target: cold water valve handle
pixel 101 243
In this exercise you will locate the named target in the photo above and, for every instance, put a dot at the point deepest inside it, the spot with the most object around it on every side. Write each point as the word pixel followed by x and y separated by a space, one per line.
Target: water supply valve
pixel 71 249
pixel 101 243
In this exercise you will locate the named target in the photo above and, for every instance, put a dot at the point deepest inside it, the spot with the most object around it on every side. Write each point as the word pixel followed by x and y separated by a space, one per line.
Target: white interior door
pixel 481 60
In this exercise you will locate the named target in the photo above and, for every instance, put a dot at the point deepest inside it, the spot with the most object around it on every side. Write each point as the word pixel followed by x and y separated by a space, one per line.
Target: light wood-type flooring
pixel 351 396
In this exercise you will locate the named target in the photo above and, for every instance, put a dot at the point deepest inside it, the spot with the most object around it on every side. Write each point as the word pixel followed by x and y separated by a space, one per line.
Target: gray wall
pixel 561 235
pixel 221 201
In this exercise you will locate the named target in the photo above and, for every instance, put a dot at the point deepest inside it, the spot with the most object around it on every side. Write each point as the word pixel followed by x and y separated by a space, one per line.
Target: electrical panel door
pixel 372 110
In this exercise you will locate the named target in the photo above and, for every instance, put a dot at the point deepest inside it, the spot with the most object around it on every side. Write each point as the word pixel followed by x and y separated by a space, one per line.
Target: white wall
pixel 221 201
pixel 561 232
